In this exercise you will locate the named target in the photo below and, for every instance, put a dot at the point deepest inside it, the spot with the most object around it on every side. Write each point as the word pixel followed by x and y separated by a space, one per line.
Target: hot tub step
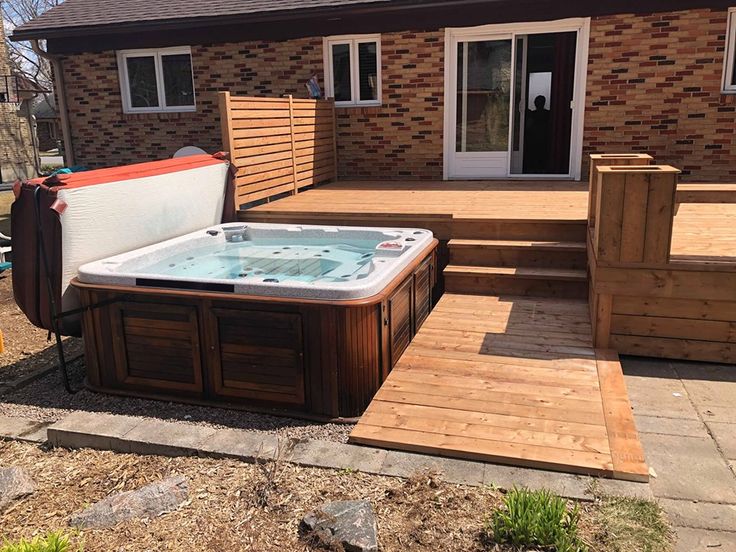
pixel 547 254
pixel 528 281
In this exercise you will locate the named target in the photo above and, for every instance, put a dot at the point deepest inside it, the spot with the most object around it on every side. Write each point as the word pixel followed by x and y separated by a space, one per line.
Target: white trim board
pixel 484 32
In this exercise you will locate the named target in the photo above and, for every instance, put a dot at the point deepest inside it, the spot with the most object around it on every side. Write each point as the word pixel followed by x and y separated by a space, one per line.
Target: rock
pixel 351 523
pixel 14 483
pixel 147 502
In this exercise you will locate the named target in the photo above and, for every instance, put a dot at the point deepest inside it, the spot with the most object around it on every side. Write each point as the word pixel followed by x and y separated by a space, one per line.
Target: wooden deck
pixel 704 233
pixel 509 380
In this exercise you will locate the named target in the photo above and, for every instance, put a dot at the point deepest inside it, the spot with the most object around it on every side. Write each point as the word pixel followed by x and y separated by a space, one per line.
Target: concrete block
pixel 326 454
pixel 406 464
pixel 688 468
pixel 671 426
pixel 166 438
pixel 92 430
pixel 725 436
pixel 700 515
pixel 563 484
pixel 12 428
pixel 702 540
pixel 241 444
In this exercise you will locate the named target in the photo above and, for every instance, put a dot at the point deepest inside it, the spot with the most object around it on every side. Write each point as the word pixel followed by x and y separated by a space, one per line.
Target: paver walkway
pixel 686 416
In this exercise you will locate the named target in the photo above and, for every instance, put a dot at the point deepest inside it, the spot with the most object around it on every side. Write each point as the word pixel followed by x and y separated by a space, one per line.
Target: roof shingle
pixel 88 13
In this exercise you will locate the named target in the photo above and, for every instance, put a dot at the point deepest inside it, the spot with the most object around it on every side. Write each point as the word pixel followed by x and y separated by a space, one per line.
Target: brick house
pixel 425 90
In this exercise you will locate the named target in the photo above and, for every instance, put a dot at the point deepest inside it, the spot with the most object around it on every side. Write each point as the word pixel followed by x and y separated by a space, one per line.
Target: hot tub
pixel 301 319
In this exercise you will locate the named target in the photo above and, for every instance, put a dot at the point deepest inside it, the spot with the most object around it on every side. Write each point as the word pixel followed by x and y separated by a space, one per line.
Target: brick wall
pixel 653 85
pixel 103 135
pixel 403 137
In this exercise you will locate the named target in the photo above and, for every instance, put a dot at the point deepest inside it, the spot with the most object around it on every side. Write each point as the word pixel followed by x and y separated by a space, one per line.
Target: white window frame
pixel 730 54
pixel 353 41
pixel 157 54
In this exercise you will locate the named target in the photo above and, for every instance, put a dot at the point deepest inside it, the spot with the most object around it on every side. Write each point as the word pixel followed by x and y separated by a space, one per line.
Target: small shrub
pixel 537 518
pixel 53 542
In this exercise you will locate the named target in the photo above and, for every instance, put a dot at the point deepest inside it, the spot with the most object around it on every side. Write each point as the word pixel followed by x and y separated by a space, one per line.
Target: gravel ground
pixel 46 400
pixel 26 347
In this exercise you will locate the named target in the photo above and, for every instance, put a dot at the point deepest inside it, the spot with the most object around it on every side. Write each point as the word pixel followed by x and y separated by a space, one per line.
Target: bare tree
pixel 23 60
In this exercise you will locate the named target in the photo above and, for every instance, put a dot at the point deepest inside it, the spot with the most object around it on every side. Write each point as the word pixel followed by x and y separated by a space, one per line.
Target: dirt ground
pixel 231 508
pixel 26 347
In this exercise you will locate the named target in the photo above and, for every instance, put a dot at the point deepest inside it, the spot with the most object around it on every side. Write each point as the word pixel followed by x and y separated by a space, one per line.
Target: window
pixel 156 80
pixel 729 71
pixel 353 69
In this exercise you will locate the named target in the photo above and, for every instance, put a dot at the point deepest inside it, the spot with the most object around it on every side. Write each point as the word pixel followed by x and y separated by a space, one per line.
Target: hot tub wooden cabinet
pixel 312 358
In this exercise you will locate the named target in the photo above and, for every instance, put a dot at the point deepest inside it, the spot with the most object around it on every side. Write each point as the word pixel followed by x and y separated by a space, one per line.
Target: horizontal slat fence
pixel 278 145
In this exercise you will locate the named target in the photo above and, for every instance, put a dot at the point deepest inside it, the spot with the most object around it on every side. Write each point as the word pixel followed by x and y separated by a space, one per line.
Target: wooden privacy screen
pixel 278 145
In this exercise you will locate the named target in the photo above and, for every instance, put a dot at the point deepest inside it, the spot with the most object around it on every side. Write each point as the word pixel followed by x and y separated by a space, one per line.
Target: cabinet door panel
pixel 157 346
pixel 259 355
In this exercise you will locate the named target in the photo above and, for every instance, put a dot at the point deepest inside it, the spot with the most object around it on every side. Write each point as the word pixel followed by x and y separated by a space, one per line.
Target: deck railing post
pixel 228 140
pixel 292 130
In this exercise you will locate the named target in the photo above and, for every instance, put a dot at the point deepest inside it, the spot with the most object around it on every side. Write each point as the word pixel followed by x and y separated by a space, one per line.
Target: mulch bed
pixel 226 510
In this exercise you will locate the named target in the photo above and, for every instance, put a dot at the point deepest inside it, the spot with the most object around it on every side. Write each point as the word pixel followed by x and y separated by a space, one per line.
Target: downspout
pixel 60 86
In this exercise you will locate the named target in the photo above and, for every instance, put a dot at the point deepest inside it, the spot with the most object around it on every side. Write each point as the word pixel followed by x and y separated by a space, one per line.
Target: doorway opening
pixel 514 100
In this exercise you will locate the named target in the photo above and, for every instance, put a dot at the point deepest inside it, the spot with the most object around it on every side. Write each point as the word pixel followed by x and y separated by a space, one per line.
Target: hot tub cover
pixel 90 215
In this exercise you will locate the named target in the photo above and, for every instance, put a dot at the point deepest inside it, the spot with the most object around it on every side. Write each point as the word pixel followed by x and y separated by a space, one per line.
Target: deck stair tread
pixel 519 272
pixel 501 388
pixel 519 244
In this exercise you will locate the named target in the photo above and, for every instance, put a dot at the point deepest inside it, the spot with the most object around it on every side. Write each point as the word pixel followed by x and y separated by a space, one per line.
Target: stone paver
pixel 700 515
pixel 711 413
pixel 92 430
pixel 13 428
pixel 242 444
pixel 671 426
pixel 326 454
pixel 688 467
pixel 655 390
pixel 700 540
pixel 725 435
pixel 166 438
pixel 405 464
pixel 708 384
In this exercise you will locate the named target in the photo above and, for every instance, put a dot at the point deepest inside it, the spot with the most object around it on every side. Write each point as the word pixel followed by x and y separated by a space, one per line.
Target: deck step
pixel 519 229
pixel 515 253
pixel 526 281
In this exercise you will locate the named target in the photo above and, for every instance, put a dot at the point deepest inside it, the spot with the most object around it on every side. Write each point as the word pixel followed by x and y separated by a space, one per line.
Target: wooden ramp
pixel 510 380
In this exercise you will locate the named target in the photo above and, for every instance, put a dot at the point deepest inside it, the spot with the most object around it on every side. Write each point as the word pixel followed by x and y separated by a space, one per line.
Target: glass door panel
pixel 483 95
pixel 482 103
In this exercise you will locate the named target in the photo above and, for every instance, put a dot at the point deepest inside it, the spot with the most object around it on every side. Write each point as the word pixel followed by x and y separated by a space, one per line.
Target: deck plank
pixel 509 380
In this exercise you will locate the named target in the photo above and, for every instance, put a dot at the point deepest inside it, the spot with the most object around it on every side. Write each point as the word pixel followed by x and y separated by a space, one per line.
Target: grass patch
pixel 626 524
pixel 536 519
pixel 53 542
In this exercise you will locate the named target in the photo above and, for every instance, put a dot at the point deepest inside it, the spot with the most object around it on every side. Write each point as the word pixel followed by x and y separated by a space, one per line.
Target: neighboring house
pixel 431 90
pixel 18 154
pixel 48 131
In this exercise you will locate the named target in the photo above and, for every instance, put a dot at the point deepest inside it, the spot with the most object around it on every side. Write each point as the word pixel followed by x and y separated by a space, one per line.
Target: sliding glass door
pixel 511 104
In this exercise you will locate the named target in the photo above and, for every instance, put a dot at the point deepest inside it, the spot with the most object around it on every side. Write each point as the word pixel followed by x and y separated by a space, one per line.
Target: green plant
pixel 537 518
pixel 52 542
